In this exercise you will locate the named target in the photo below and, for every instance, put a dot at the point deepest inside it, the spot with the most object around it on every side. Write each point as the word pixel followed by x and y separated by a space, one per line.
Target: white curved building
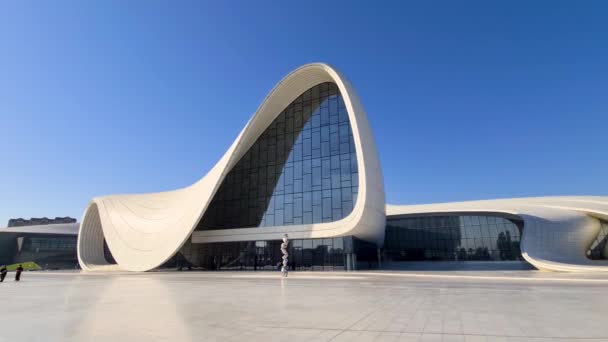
pixel 306 165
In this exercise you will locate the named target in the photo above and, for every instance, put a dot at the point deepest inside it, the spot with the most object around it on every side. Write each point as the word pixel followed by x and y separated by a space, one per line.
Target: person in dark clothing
pixel 3 272
pixel 18 273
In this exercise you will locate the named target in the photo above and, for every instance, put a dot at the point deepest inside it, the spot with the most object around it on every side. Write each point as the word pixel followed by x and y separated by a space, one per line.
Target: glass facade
pixel 304 254
pixel 301 170
pixel 49 251
pixel 50 244
pixel 598 250
pixel 452 238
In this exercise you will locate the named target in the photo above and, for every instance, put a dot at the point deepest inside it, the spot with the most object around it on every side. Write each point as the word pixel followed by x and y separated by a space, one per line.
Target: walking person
pixel 3 272
pixel 18 273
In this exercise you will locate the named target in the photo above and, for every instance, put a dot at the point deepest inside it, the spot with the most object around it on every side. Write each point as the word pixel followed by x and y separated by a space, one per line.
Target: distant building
pixel 35 221
pixel 51 243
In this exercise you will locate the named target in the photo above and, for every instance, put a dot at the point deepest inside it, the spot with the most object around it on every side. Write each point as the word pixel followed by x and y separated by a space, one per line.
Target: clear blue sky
pixel 467 100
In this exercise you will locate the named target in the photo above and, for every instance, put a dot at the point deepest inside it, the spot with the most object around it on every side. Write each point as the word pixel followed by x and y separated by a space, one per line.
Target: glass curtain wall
pixel 49 251
pixel 50 244
pixel 452 238
pixel 304 254
pixel 332 254
pixel 301 170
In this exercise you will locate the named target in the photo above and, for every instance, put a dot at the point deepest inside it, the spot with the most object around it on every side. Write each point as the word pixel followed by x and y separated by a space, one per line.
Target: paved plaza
pixel 260 306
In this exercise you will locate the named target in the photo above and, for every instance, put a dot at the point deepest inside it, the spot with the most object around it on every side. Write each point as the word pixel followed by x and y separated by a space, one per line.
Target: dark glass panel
pixel 307 148
pixel 452 238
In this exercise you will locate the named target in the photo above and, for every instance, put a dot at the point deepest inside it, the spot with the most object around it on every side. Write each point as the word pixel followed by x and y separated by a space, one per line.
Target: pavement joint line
pixel 429 333
pixel 357 321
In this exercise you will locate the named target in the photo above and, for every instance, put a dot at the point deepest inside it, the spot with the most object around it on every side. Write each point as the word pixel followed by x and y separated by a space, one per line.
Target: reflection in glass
pixel 457 238
pixel 304 254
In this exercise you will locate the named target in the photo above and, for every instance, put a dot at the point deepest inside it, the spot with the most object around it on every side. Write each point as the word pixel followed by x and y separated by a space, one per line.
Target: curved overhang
pixel 145 230
pixel 557 231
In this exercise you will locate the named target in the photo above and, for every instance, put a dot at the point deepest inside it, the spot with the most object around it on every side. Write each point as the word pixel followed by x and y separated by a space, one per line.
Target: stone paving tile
pixel 311 307
pixel 453 338
pixel 325 335
pixel 387 337
pixel 409 337
pixel 429 337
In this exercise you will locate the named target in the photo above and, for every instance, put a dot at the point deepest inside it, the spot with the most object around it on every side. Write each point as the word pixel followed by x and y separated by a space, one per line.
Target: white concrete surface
pixel 260 306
